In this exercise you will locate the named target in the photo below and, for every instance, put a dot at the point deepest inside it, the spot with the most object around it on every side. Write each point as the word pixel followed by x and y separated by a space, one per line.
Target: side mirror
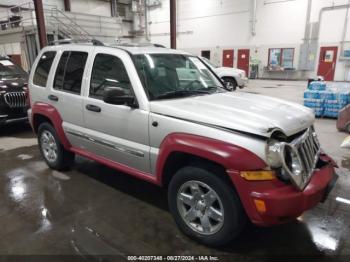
pixel 117 96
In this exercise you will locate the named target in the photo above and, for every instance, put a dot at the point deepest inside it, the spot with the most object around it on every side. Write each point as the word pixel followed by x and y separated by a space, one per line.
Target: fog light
pixel 260 205
pixel 258 175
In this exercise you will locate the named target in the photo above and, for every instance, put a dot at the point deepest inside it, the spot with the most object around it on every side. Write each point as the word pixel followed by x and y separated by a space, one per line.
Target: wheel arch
pixel 42 112
pixel 230 77
pixel 179 149
pixel 177 159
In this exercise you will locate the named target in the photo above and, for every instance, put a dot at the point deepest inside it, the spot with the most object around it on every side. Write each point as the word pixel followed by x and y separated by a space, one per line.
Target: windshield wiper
pixel 181 93
pixel 212 88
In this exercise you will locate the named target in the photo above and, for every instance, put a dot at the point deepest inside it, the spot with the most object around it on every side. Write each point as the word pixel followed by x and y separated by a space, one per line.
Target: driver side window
pixel 108 71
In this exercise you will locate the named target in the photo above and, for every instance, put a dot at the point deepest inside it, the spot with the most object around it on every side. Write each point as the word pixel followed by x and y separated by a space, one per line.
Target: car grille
pixel 308 148
pixel 15 99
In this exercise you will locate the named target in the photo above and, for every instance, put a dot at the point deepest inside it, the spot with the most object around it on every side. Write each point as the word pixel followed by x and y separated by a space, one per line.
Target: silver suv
pixel 163 116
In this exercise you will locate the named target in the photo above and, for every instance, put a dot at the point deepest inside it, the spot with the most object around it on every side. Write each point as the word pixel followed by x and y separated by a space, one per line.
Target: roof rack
pixel 70 41
pixel 138 45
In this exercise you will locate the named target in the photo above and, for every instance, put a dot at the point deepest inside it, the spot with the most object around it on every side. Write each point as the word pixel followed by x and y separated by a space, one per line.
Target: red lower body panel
pixel 283 202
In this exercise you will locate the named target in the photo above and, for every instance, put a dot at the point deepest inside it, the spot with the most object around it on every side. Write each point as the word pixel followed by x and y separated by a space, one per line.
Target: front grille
pixel 308 148
pixel 15 99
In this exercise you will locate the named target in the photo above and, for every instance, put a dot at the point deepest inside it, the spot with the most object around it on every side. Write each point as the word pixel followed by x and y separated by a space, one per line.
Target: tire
pixel 228 204
pixel 231 81
pixel 48 142
pixel 347 128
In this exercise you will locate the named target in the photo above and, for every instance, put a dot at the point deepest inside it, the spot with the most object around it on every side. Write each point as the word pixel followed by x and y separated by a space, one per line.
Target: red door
pixel 227 58
pixel 327 62
pixel 243 60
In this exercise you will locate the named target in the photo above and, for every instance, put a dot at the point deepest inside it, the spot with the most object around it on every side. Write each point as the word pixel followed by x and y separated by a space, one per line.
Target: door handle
pixel 93 108
pixel 53 98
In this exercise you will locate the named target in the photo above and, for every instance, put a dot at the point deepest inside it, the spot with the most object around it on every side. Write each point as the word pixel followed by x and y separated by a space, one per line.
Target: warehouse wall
pixel 218 24
pixel 91 7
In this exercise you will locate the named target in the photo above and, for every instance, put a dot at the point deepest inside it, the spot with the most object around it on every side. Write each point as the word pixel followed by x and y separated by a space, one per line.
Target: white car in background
pixel 232 77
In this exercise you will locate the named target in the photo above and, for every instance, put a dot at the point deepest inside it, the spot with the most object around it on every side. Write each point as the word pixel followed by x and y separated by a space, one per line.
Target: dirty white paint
pixel 10 143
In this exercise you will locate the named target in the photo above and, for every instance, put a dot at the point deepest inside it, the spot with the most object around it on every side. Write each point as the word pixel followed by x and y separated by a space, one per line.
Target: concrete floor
pixel 92 210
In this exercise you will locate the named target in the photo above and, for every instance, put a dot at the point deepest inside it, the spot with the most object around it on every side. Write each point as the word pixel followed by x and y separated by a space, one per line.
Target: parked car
pixel 162 116
pixel 13 92
pixel 232 77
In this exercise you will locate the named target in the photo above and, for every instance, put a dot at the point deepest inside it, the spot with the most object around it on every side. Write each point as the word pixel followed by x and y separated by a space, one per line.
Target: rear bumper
pixel 283 202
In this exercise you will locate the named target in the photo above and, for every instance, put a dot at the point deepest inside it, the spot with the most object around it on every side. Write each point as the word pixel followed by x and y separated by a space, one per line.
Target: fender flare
pixel 230 156
pixel 54 116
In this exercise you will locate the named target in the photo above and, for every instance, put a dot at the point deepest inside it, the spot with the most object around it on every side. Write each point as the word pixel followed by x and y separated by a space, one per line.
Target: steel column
pixel 40 21
pixel 114 8
pixel 67 5
pixel 173 24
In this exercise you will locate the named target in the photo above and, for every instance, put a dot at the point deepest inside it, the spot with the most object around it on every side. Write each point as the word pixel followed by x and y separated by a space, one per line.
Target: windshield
pixel 8 70
pixel 173 75
pixel 207 61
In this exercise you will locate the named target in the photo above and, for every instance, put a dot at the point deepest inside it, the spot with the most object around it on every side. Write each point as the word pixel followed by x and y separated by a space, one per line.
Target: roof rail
pixel 138 45
pixel 70 41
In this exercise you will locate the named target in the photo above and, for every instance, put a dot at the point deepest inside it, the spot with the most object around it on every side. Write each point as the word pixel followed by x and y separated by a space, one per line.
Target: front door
pixel 327 62
pixel 115 132
pixel 243 60
pixel 227 58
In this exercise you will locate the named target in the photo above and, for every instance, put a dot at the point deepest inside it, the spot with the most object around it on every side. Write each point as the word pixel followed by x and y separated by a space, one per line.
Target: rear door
pixel 65 91
pixel 116 132
pixel 327 62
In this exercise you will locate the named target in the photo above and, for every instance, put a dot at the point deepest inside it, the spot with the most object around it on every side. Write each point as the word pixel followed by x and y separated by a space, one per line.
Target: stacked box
pixel 334 104
pixel 313 99
pixel 317 85
pixel 326 101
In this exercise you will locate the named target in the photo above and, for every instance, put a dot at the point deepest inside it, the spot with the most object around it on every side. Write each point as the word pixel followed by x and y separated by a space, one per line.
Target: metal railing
pixel 67 24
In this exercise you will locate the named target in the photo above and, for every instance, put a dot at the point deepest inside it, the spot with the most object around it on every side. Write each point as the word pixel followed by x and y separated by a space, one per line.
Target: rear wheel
pixel 53 152
pixel 230 83
pixel 204 206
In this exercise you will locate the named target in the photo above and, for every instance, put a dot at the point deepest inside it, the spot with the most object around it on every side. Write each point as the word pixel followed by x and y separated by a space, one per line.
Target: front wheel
pixel 204 206
pixel 230 83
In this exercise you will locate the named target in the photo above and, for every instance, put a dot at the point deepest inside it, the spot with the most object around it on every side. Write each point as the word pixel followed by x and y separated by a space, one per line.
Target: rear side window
pixel 108 71
pixel 43 68
pixel 69 73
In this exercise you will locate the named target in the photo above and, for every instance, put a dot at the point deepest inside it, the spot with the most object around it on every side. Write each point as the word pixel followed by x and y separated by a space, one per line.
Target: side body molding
pixel 230 156
pixel 51 113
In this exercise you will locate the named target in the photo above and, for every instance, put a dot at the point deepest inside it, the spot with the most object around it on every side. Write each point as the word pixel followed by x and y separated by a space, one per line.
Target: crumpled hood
pixel 245 112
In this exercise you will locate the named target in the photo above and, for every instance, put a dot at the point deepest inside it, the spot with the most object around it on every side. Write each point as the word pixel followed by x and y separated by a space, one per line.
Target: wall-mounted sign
pixel 329 55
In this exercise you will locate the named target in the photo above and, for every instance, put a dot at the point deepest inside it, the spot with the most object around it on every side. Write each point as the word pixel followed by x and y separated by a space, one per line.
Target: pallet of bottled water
pixel 327 99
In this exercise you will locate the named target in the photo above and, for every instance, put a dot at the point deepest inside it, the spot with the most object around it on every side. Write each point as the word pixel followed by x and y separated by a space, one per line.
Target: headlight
pixel 293 165
pixel 273 153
